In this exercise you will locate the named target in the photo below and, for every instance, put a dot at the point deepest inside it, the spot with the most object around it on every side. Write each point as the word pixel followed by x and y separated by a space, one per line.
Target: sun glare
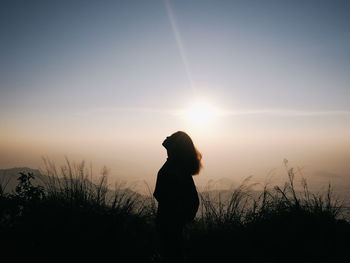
pixel 201 114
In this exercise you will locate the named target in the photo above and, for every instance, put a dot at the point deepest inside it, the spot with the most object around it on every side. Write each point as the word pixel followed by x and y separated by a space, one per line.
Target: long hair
pixel 182 151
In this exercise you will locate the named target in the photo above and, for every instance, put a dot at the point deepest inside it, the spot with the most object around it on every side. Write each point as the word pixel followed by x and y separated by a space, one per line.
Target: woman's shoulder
pixel 171 172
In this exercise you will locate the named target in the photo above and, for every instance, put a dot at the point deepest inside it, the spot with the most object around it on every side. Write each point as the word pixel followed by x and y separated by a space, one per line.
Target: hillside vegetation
pixel 70 218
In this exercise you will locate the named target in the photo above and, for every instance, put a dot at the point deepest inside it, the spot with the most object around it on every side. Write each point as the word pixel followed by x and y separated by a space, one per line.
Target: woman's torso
pixel 176 194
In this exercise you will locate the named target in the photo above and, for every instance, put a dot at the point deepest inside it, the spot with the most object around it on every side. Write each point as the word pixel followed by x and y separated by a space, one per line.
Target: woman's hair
pixel 182 150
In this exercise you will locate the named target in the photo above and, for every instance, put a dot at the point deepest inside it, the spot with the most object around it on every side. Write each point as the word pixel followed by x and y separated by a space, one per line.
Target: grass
pixel 277 224
pixel 74 217
pixel 74 184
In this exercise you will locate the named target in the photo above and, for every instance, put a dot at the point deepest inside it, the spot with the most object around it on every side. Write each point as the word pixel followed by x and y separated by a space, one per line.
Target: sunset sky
pixel 252 82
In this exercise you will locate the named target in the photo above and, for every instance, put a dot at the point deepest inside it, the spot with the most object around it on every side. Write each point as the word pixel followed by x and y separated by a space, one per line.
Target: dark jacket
pixel 176 194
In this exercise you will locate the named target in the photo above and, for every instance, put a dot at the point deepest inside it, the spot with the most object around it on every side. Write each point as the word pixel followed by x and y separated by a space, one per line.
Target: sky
pixel 252 82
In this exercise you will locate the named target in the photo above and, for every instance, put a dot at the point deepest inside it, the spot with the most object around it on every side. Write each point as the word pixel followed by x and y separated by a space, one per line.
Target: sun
pixel 201 113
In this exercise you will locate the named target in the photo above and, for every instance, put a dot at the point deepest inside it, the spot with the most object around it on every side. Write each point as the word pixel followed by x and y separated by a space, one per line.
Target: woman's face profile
pixel 169 140
pixel 166 142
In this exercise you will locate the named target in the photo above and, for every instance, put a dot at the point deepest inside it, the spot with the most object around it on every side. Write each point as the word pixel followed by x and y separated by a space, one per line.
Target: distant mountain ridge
pixel 17 170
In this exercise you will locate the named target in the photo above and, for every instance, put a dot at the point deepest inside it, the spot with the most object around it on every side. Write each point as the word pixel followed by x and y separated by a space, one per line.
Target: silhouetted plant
pixel 73 184
pixel 216 210
pixel 25 190
pixel 242 207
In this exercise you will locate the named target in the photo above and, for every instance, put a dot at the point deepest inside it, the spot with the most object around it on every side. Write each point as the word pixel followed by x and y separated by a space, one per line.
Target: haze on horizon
pixel 107 81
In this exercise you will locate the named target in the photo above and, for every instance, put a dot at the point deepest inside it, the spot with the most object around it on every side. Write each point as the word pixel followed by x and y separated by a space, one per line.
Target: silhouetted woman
pixel 176 193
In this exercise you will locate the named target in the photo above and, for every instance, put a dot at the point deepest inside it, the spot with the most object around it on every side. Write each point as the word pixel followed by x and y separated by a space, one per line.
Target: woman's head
pixel 182 151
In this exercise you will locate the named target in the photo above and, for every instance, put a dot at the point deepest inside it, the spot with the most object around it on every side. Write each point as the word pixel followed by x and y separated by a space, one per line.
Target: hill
pixel 75 220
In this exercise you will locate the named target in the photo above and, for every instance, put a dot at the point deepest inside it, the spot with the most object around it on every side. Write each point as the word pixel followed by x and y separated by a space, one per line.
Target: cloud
pixel 110 110
pixel 286 113
pixel 220 112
